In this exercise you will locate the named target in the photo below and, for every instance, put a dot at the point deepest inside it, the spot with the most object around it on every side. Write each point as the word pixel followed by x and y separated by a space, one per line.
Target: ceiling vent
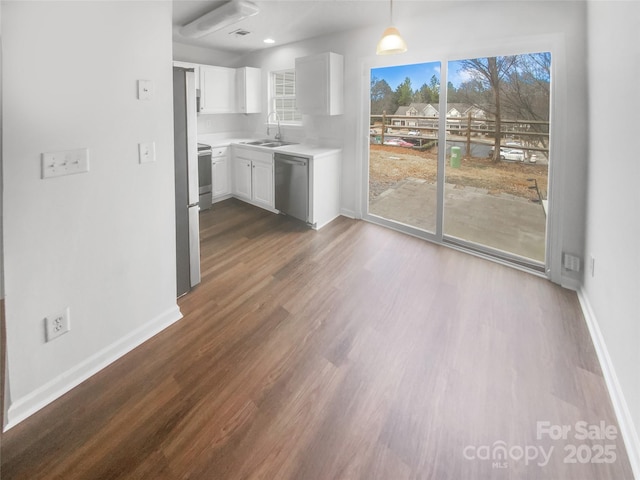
pixel 239 32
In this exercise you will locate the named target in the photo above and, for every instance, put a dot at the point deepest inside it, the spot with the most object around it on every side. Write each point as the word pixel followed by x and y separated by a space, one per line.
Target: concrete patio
pixel 505 222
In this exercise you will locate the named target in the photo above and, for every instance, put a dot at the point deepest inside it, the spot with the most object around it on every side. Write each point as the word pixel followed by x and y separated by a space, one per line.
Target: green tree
pixel 423 94
pixel 404 93
pixel 434 87
pixel 382 97
pixel 452 93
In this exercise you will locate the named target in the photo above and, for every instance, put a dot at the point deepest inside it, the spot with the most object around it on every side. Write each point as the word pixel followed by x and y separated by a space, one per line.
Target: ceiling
pixel 285 21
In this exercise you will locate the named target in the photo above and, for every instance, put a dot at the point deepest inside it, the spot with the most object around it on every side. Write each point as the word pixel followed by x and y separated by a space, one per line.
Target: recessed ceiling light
pixel 269 40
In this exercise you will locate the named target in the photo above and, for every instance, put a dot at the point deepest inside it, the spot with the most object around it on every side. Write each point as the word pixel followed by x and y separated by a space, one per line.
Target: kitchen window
pixel 283 96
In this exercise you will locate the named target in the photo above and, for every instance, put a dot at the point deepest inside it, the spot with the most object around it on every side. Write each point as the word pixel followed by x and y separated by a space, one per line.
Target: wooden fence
pixel 533 134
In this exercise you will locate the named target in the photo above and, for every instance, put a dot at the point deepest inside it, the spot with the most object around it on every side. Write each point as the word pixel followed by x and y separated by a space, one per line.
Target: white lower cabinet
pixel 242 177
pixel 220 177
pixel 220 185
pixel 262 183
pixel 324 188
pixel 253 176
pixel 253 180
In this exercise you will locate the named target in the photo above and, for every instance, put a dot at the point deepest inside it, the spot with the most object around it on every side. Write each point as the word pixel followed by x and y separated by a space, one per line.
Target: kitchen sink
pixel 269 143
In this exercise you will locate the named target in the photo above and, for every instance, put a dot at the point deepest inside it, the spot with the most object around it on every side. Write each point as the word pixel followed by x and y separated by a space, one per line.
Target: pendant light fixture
pixel 391 41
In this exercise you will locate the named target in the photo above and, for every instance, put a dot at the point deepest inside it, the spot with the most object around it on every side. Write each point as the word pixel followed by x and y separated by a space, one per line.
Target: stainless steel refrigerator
pixel 186 176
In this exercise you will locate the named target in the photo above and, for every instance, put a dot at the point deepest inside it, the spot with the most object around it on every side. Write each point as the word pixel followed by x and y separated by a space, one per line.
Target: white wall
pixel 103 242
pixel 449 31
pixel 1 182
pixel 613 223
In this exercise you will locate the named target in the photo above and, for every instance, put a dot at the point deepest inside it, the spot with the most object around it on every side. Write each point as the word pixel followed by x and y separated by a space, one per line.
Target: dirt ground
pixel 389 165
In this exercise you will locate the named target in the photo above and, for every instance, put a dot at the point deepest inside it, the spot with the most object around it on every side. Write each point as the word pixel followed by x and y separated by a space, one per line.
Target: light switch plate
pixel 65 162
pixel 147 152
pixel 145 90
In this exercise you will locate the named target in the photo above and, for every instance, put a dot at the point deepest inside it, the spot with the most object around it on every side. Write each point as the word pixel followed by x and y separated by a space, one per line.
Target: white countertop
pixel 306 149
pixel 216 140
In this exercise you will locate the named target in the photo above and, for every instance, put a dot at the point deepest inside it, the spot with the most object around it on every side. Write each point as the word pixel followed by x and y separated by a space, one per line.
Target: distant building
pixel 431 112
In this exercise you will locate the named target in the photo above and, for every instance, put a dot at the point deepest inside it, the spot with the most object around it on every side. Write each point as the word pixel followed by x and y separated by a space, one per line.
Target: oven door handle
pixel 287 161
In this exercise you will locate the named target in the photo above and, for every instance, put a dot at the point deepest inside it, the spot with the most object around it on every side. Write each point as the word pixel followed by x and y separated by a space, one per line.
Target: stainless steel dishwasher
pixel 292 185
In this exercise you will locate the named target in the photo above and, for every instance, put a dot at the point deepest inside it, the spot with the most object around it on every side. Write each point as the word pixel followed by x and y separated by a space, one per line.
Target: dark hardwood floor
pixel 354 352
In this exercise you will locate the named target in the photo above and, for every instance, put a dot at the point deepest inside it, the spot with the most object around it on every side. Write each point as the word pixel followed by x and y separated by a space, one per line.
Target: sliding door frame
pixel 557 146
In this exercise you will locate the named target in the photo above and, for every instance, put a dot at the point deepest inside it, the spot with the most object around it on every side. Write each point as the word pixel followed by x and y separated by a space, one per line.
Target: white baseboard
pixel 620 407
pixel 348 213
pixel 47 393
pixel 324 224
pixel 221 198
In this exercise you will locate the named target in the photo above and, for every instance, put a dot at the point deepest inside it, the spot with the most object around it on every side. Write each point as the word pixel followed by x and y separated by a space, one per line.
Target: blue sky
pixel 419 73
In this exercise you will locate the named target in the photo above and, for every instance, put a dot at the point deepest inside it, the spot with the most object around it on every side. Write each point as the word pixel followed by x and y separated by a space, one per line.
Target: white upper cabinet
pixel 227 90
pixel 248 90
pixel 217 89
pixel 320 84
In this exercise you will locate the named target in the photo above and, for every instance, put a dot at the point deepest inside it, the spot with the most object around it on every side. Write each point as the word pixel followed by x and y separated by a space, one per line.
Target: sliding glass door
pixel 491 140
pixel 497 138
pixel 403 145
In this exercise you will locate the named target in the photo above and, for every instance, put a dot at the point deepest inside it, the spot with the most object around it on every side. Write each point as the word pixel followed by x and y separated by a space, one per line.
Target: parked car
pixel 397 142
pixel 414 132
pixel 512 154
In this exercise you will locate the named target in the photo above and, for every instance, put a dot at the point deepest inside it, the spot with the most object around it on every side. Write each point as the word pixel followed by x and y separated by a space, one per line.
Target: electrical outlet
pixel 56 325
pixel 571 262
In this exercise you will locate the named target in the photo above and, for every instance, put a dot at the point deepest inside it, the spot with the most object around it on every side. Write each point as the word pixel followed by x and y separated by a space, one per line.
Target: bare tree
pixel 491 72
pixel 527 93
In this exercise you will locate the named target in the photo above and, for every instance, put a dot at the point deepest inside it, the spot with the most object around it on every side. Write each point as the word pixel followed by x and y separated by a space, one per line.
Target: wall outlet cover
pixel 571 262
pixel 57 324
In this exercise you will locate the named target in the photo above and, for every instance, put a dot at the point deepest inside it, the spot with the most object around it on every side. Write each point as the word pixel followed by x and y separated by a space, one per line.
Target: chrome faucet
pixel 279 134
